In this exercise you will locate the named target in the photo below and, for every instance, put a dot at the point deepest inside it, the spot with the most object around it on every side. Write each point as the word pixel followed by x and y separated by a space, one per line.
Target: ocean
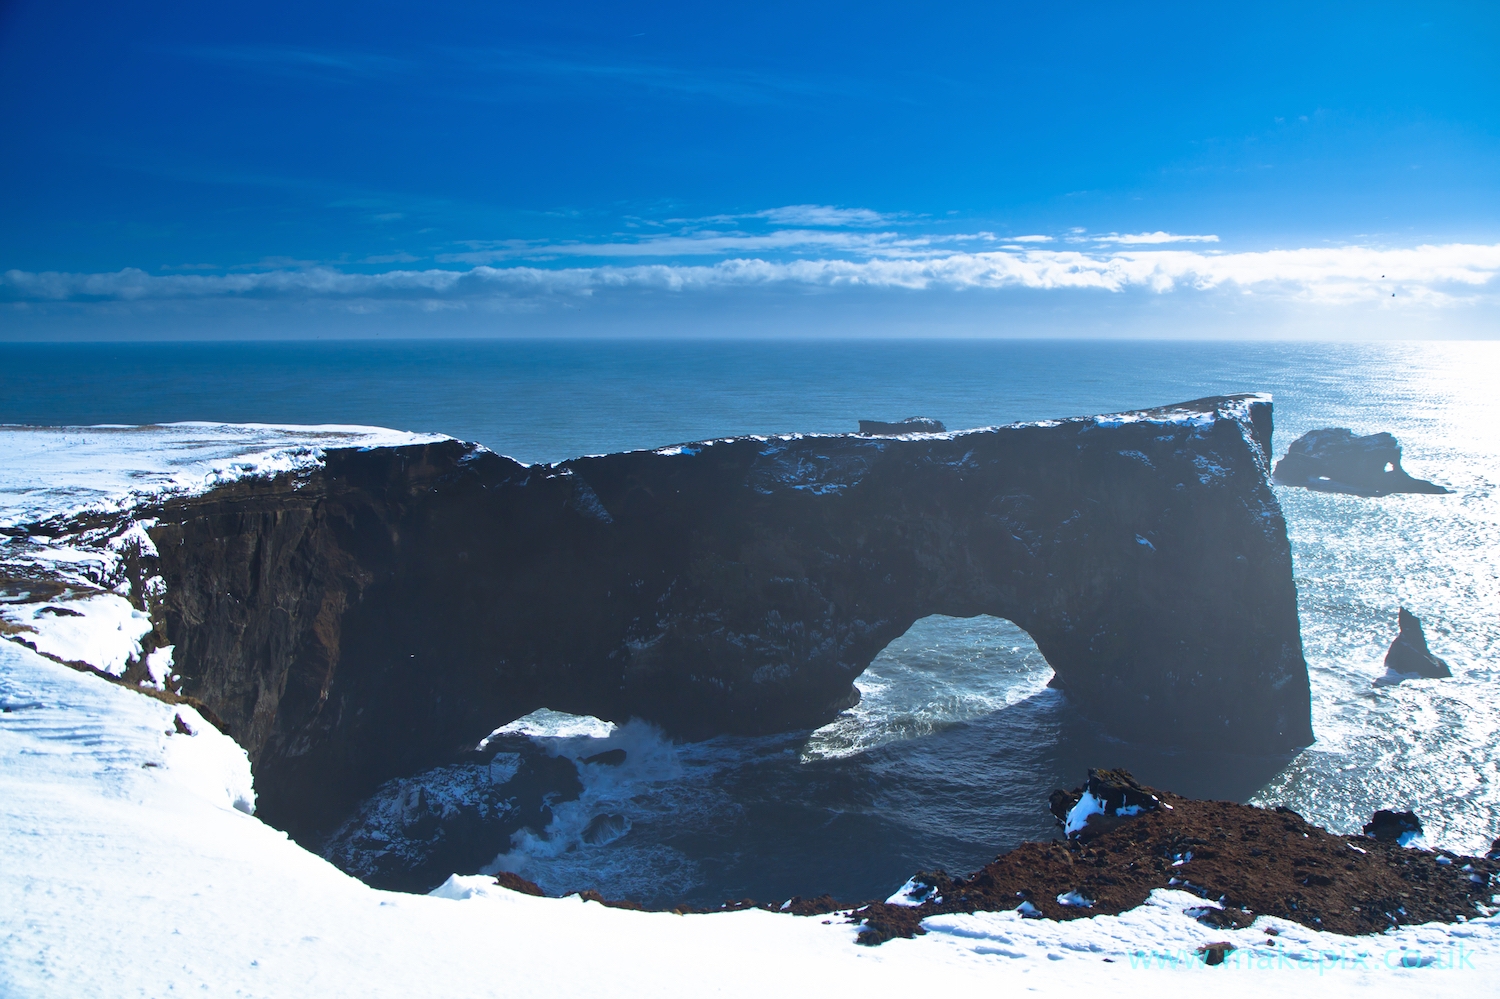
pixel 951 755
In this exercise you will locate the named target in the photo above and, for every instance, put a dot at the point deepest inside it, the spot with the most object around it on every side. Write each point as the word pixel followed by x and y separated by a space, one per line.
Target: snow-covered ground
pixel 130 864
pixel 47 471
pixel 129 867
pixel 81 607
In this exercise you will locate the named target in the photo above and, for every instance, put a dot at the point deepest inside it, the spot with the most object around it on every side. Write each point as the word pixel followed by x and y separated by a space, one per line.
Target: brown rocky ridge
pixel 1243 860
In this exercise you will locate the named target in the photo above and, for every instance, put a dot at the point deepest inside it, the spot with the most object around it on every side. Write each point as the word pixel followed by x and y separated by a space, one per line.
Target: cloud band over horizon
pixel 1428 275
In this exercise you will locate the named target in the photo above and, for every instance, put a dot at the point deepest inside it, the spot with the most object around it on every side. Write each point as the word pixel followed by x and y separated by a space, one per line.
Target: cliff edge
pixel 386 609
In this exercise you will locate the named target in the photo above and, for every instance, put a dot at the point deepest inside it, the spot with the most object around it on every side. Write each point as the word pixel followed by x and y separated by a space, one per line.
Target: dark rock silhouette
pixel 1222 919
pixel 377 616
pixel 1214 953
pixel 415 831
pixel 1334 460
pixel 1115 796
pixel 1408 653
pixel 1390 827
pixel 1118 790
pixel 910 425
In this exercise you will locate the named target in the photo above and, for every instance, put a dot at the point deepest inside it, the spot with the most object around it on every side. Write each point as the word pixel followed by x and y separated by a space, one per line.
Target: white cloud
pixel 1427 275
pixel 698 244
pixel 1133 239
pixel 823 215
pixel 717 243
pixel 1031 239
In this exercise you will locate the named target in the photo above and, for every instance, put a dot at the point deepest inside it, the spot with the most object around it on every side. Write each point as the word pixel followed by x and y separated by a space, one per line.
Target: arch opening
pixel 941 672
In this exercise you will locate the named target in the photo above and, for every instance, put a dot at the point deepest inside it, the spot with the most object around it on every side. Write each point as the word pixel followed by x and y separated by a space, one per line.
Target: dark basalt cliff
pixel 386 611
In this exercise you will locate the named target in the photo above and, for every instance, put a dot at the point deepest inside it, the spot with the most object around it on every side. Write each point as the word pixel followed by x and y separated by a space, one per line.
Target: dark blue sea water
pixel 549 400
pixel 951 755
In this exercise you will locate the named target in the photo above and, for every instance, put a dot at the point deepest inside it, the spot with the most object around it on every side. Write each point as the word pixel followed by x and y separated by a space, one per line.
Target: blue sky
pixel 460 168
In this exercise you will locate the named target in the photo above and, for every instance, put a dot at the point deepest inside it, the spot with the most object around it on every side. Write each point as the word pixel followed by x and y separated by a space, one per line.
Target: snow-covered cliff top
pixel 89 614
pixel 47 471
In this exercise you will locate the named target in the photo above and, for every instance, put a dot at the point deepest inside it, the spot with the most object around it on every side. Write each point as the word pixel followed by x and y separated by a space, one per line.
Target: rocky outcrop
pixel 1242 860
pixel 1393 827
pixel 910 425
pixel 413 832
pixel 380 614
pixel 1334 460
pixel 1109 797
pixel 1409 655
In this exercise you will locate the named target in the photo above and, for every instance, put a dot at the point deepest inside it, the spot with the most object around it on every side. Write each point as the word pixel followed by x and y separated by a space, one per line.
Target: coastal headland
pixel 385 609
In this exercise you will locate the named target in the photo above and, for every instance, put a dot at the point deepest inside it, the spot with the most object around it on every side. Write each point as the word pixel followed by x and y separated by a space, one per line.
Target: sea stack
pixel 367 618
pixel 1334 460
pixel 1409 654
pixel 910 425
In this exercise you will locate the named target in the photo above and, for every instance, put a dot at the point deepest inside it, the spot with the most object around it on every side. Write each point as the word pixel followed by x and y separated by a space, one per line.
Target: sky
pixel 457 168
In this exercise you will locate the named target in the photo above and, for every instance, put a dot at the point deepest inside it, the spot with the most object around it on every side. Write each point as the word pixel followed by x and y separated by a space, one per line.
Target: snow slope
pixel 131 865
pixel 51 471
pixel 129 868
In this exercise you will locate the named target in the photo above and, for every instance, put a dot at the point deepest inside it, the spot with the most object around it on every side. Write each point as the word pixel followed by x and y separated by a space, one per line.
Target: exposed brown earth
pixel 1250 861
pixel 515 882
pixel 1259 861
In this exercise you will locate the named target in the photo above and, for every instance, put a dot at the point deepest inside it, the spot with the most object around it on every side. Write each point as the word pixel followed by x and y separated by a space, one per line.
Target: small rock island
pixel 1335 460
pixel 910 425
pixel 1409 655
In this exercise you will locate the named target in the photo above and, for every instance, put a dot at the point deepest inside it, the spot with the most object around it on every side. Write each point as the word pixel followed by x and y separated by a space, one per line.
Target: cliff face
pixel 396 605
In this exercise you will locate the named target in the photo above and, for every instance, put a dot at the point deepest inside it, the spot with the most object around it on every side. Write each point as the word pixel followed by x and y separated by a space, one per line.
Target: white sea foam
pixel 131 870
pixel 200 896
pixel 544 723
pixel 943 671
pixel 1429 745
